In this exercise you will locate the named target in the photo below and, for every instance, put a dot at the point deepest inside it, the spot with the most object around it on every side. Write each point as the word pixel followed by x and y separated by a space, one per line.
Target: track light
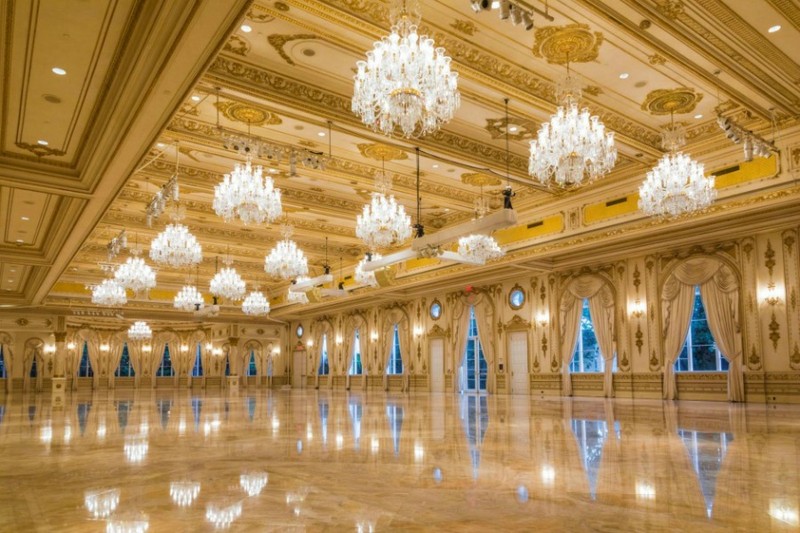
pixel 505 9
pixel 516 12
pixel 516 15
pixel 527 21
pixel 754 145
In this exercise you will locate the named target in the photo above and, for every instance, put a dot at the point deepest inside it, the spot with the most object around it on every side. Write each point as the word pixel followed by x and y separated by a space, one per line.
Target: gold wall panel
pixel 547 226
pixel 594 213
pixel 745 171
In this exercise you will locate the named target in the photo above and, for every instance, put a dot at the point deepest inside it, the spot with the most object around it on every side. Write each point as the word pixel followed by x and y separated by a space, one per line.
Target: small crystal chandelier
pixel 135 274
pixel 227 283
pixel 677 184
pixel 189 299
pixel 256 304
pixel 286 261
pixel 248 194
pixel 176 246
pixel 140 331
pixel 479 247
pixel 573 147
pixel 109 293
pixel 297 297
pixel 405 81
pixel 363 277
pixel 383 222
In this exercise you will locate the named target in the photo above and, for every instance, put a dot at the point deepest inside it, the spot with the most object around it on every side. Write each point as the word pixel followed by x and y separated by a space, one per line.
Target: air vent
pixel 617 201
pixel 535 224
pixel 728 170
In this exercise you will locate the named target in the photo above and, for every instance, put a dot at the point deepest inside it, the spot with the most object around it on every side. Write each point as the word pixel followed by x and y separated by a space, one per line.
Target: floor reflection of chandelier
pixel 366 278
pixel 184 493
pixel 405 81
pixel 677 184
pixel 253 483
pixel 223 516
pixel 135 274
pixel 140 331
pixel 176 247
pixel 227 283
pixel 248 194
pixel 109 293
pixel 573 147
pixel 255 304
pixel 286 261
pixel 383 222
pixel 479 247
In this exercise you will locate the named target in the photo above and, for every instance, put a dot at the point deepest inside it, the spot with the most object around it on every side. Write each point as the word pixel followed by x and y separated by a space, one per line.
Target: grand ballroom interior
pixel 456 265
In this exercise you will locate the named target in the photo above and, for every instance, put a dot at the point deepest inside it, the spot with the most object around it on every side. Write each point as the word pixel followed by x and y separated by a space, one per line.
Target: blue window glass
pixel 395 357
pixel 2 363
pixel 252 370
pixel 197 369
pixel 475 367
pixel 587 357
pixel 85 366
pixel 700 352
pixel 355 364
pixel 125 369
pixel 165 369
pixel 323 359
pixel 34 370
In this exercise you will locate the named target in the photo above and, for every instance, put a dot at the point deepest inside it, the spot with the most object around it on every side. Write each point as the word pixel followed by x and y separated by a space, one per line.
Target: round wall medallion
pixel 436 310
pixel 667 101
pixel 479 179
pixel 381 152
pixel 299 331
pixel 516 298
pixel 574 43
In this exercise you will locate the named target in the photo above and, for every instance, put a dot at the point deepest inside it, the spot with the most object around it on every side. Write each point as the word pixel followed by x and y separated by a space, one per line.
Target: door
pixel 299 369
pixel 518 359
pixel 437 365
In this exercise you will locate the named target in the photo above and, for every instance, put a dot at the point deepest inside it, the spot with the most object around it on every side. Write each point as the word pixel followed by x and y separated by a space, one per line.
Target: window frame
pixel 721 363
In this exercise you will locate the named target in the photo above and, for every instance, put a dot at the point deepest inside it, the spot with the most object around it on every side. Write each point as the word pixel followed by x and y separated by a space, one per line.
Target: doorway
pixel 437 365
pixel 299 369
pixel 518 359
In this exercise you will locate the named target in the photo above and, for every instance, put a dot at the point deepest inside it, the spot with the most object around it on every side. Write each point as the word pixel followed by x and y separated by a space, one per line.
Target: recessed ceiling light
pixel 699 115
pixel 24 218
pixel 245 28
pixel 774 28
pixel 59 71
pixel 11 281
pixel 161 145
pixel 195 98
pixel 624 76
pixel 496 4
pixel 435 166
pixel 42 142
pixel 321 134
pixel 13 270
pixel 20 241
pixel 513 129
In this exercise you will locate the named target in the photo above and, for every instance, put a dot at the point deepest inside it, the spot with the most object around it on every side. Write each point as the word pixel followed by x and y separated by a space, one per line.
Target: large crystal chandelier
pixel 363 277
pixel 286 261
pixel 256 304
pixel 248 194
pixel 383 222
pixel 479 247
pixel 140 331
pixel 677 184
pixel 176 246
pixel 109 293
pixel 406 81
pixel 189 299
pixel 227 283
pixel 135 274
pixel 573 147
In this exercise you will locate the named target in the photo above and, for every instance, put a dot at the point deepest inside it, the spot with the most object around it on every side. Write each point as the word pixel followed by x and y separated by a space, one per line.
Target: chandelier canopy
pixel 109 293
pixel 189 299
pixel 227 283
pixel 135 274
pixel 140 331
pixel 256 304
pixel 248 194
pixel 406 81
pixel 573 147
pixel 176 247
pixel 480 247
pixel 383 222
pixel 286 261
pixel 363 277
pixel 677 184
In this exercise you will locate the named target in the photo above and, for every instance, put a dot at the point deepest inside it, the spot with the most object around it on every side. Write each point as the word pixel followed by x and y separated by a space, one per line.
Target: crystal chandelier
pixel 135 274
pixel 140 331
pixel 248 194
pixel 383 222
pixel 109 293
pixel 255 304
pixel 677 184
pixel 189 299
pixel 479 247
pixel 573 147
pixel 406 81
pixel 286 261
pixel 297 297
pixel 366 278
pixel 176 247
pixel 227 283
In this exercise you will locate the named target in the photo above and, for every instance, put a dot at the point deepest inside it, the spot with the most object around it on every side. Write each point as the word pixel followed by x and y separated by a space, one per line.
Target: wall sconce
pixel 71 346
pixel 542 319
pixel 216 352
pixel 338 339
pixel 309 343
pixel 417 331
pixel 637 309
pixel 104 347
pixel 49 348
pixel 209 346
pixel 276 350
pixel 146 348
pixel 184 348
pixel 772 295
pixel 373 336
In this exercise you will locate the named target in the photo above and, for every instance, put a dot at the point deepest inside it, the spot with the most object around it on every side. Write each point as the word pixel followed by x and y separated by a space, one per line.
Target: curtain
pixel 8 358
pixel 385 343
pixel 135 355
pixel 569 323
pixel 405 351
pixel 159 343
pixel 601 311
pixel 114 357
pixel 461 329
pixel 93 343
pixel 484 315
pixel 316 356
pixel 33 350
pixel 677 302
pixel 350 328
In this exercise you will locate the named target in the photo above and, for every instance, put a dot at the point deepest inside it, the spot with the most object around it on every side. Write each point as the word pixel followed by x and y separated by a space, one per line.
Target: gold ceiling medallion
pixel 39 150
pixel 278 41
pixel 237 45
pixel 381 152
pixel 574 43
pixel 254 116
pixel 479 179
pixel 520 129
pixel 667 101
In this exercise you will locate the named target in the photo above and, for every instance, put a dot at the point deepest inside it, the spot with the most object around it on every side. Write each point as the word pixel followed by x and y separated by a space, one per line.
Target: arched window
pixel 125 369
pixel 395 358
pixel 33 367
pixel 700 352
pixel 323 358
pixel 355 365
pixel 165 369
pixel 474 368
pixel 85 366
pixel 2 363
pixel 197 369
pixel 252 370
pixel 586 357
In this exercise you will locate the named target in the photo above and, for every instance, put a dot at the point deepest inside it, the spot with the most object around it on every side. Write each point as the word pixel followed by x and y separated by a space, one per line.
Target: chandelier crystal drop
pixel 227 283
pixel 248 194
pixel 189 299
pixel 176 247
pixel 574 146
pixel 140 331
pixel 405 82
pixel 363 277
pixel 109 293
pixel 479 247
pixel 286 261
pixel 256 304
pixel 383 222
pixel 136 275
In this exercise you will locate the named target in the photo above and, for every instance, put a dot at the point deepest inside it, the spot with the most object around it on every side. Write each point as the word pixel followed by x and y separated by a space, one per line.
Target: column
pixel 59 381
pixel 233 357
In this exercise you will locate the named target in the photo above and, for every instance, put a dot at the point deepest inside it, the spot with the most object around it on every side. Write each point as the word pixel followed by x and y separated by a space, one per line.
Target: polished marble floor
pixel 323 461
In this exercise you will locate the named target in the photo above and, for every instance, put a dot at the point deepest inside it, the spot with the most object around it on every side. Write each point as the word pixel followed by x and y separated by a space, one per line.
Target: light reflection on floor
pixel 168 461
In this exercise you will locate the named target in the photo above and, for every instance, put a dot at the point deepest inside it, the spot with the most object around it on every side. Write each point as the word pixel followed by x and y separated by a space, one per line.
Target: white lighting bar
pixel 503 218
pixel 305 286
